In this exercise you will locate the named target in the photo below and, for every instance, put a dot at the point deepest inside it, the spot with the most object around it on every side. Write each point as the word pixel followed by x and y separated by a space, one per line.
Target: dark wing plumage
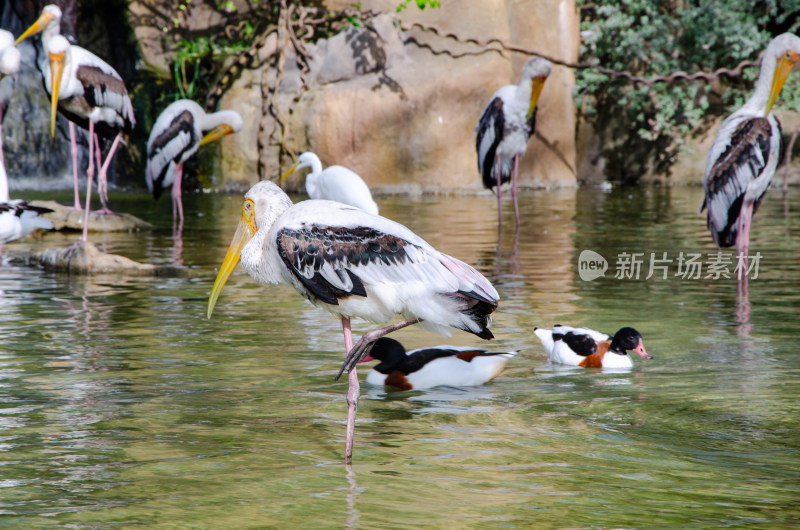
pixel 170 146
pixel 103 89
pixel 740 164
pixel 489 135
pixel 321 257
pixel 418 359
pixel 580 343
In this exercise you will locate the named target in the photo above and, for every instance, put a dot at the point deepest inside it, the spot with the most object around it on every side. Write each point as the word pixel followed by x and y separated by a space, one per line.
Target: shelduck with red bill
pixel 591 349
pixel 435 366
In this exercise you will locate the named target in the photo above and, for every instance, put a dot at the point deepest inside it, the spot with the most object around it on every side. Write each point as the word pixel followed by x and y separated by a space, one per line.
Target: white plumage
pixel 335 183
pixel 355 264
pixel 589 348
pixel 744 156
pixel 176 135
pixel 435 366
pixel 17 217
pixel 506 125
pixel 88 91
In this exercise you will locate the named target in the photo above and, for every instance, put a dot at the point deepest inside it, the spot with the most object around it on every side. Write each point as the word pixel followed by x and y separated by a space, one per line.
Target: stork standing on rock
pixel 88 91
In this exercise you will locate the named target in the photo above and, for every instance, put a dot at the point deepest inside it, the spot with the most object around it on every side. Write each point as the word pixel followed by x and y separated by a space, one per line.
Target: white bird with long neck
pixel 335 183
pixel 17 217
pixel 354 264
pixel 504 128
pixel 178 132
pixel 88 92
pixel 744 156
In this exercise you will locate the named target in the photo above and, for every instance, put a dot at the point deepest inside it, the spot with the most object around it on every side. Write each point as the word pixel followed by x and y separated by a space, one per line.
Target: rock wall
pixel 400 107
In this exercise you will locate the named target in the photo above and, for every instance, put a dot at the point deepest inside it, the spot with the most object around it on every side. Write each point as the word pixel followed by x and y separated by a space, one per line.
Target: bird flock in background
pixel 341 255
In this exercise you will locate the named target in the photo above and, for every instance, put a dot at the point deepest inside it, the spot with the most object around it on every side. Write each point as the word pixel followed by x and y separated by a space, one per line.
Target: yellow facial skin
pixel 244 233
pixel 785 64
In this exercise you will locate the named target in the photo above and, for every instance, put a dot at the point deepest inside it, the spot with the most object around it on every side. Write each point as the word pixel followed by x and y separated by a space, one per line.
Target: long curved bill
pixel 41 23
pixel 537 84
pixel 244 233
pixel 216 133
pixel 57 72
pixel 291 170
pixel 785 64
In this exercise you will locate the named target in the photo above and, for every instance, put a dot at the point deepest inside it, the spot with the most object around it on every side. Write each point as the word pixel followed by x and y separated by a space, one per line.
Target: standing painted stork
pixel 744 156
pixel 17 217
pixel 355 264
pixel 176 135
pixel 335 183
pixel 88 91
pixel 504 128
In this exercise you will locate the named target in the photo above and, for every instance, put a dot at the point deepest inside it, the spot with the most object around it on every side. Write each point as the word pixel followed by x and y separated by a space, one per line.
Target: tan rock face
pixel 391 106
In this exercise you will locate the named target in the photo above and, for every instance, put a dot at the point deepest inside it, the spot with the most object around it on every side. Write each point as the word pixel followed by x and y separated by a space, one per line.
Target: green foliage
pixel 642 128
pixel 422 4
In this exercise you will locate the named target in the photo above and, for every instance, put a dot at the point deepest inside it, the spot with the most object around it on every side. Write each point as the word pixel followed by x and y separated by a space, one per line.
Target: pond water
pixel 121 405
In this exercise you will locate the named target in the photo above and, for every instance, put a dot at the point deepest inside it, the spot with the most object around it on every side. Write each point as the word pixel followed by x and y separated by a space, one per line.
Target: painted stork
pixel 17 217
pixel 335 183
pixel 88 91
pixel 355 264
pixel 176 135
pixel 430 367
pixel 744 156
pixel 591 349
pixel 505 126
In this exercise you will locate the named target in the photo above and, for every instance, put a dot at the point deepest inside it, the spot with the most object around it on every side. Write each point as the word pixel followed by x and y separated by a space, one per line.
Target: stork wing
pixel 334 262
pixel 169 145
pixel 489 133
pixel 103 86
pixel 742 161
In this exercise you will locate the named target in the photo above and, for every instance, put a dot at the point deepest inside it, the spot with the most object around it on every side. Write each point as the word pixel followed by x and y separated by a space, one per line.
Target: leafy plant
pixel 641 127
pixel 422 4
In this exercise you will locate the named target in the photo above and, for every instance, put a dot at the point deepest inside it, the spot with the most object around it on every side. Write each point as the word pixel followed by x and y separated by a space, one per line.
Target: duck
pixel 589 348
pixel 433 366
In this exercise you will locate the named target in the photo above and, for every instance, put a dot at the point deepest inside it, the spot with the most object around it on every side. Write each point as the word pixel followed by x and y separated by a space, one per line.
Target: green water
pixel 121 405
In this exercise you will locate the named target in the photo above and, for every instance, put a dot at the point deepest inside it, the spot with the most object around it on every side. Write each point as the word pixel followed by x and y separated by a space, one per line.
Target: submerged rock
pixel 65 218
pixel 86 258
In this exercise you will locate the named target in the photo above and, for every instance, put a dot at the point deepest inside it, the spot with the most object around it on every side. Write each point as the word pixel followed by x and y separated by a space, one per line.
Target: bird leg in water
pixel 514 188
pixel 73 145
pixel 499 195
pixel 364 344
pixel 353 393
pixel 102 177
pixel 743 235
pixel 177 201
pixel 89 177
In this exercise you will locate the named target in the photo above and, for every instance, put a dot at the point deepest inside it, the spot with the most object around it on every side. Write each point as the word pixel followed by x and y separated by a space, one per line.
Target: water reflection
pixel 121 405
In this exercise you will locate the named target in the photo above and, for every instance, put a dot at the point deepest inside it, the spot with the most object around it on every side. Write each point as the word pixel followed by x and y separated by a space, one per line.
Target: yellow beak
pixel 537 84
pixel 57 72
pixel 244 233
pixel 785 64
pixel 216 133
pixel 291 170
pixel 41 23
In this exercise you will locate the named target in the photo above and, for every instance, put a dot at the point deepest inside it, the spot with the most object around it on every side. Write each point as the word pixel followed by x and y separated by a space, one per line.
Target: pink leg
pixel 499 195
pixel 102 178
pixel 73 144
pixel 177 201
pixel 353 393
pixel 514 188
pixel 89 177
pixel 364 344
